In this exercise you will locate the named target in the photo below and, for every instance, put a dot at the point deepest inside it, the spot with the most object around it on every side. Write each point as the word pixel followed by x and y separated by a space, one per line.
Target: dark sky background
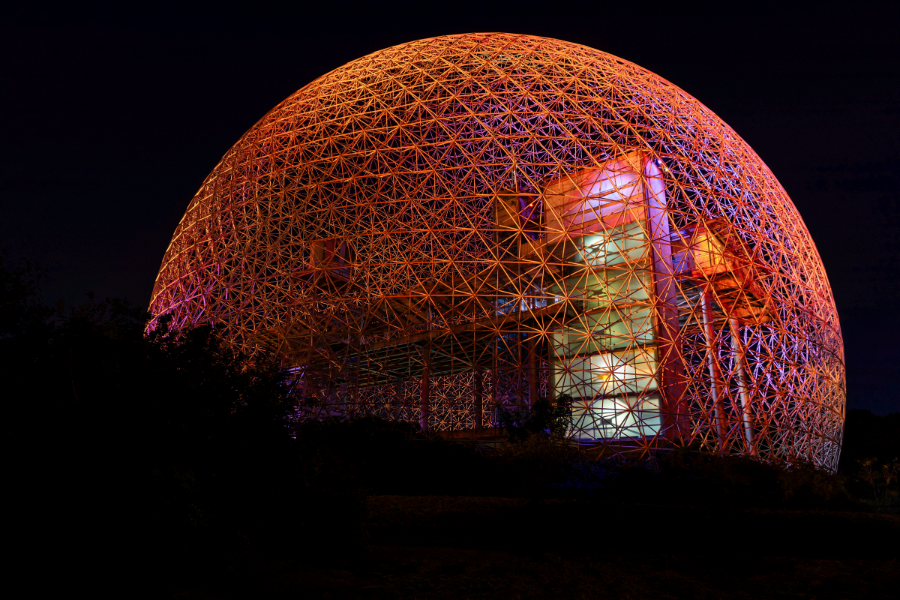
pixel 111 117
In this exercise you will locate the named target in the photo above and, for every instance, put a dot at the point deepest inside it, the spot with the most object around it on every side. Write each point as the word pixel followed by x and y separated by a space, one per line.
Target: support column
pixel 675 418
pixel 532 372
pixel 494 381
pixel 520 375
pixel 479 398
pixel 737 350
pixel 399 397
pixel 356 406
pixel 426 389
pixel 714 374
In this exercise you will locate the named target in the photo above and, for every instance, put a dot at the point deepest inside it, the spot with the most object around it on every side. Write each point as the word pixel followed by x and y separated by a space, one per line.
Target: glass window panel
pixel 617 245
pixel 606 374
pixel 626 372
pixel 601 287
pixel 622 326
pixel 617 417
pixel 615 328
pixel 573 377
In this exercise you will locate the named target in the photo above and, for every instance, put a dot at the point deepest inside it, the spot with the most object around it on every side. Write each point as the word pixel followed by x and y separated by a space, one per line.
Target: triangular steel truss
pixel 464 223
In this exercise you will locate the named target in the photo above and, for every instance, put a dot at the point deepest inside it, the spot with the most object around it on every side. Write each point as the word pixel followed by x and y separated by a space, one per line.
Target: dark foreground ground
pixel 467 547
pixel 165 465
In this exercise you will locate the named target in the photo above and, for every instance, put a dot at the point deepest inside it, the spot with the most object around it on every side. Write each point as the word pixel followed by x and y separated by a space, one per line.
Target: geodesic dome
pixel 461 225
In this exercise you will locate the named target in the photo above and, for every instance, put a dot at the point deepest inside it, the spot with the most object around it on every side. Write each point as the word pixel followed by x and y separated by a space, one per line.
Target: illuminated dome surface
pixel 469 223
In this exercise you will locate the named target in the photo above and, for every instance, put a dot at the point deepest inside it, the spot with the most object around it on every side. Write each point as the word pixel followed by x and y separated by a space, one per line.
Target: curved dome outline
pixel 465 223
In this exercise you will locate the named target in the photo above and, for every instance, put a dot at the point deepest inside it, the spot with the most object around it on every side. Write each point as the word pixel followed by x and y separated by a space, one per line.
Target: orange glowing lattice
pixel 463 223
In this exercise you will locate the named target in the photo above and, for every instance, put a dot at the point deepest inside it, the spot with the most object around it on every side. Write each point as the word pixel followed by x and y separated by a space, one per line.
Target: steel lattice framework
pixel 468 222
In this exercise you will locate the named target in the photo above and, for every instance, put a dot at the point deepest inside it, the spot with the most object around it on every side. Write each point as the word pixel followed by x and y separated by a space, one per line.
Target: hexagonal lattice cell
pixel 469 222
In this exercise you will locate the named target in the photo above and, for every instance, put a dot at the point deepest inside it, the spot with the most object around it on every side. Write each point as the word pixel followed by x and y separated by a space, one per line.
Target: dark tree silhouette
pixel 157 451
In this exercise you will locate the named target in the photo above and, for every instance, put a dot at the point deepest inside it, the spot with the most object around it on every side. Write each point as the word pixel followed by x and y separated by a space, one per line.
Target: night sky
pixel 111 117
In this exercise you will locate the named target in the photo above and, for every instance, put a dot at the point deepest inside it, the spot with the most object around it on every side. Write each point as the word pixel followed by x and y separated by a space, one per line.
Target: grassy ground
pixel 466 547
